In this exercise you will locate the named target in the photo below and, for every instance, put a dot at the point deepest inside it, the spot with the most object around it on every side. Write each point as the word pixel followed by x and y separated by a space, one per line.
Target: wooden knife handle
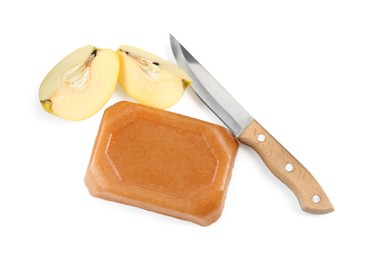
pixel 285 167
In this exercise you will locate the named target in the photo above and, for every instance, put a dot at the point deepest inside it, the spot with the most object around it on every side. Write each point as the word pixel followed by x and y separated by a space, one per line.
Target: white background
pixel 304 70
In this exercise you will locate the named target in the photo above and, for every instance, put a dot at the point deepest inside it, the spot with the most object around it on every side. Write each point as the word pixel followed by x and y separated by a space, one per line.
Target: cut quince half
pixel 80 84
pixel 149 79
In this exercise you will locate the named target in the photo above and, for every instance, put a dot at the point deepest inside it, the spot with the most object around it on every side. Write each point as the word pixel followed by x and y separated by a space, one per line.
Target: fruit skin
pixel 149 79
pixel 81 83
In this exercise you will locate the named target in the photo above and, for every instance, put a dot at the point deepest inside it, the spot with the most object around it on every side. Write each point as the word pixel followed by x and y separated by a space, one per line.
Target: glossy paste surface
pixel 162 161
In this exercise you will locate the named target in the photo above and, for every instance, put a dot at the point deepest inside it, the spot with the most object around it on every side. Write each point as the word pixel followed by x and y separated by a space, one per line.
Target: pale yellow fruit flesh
pixel 149 79
pixel 81 84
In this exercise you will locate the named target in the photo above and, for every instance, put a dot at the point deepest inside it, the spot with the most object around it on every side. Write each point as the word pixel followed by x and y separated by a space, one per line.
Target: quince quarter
pixel 149 79
pixel 81 83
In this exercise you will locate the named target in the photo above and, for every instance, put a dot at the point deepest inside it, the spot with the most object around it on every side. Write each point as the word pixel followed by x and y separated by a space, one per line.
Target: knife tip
pixel 172 38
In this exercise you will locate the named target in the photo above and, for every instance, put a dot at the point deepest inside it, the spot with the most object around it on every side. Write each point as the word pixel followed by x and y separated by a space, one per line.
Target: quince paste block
pixel 162 161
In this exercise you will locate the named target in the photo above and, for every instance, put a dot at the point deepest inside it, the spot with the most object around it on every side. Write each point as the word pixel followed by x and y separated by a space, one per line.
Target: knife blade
pixel 248 131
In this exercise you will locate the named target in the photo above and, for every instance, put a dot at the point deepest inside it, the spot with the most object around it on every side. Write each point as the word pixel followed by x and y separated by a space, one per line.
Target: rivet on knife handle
pixel 287 168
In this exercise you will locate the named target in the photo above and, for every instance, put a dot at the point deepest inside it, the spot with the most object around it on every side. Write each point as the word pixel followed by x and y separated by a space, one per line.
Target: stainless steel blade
pixel 209 90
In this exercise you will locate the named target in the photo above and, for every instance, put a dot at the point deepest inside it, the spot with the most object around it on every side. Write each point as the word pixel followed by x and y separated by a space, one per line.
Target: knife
pixel 248 131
